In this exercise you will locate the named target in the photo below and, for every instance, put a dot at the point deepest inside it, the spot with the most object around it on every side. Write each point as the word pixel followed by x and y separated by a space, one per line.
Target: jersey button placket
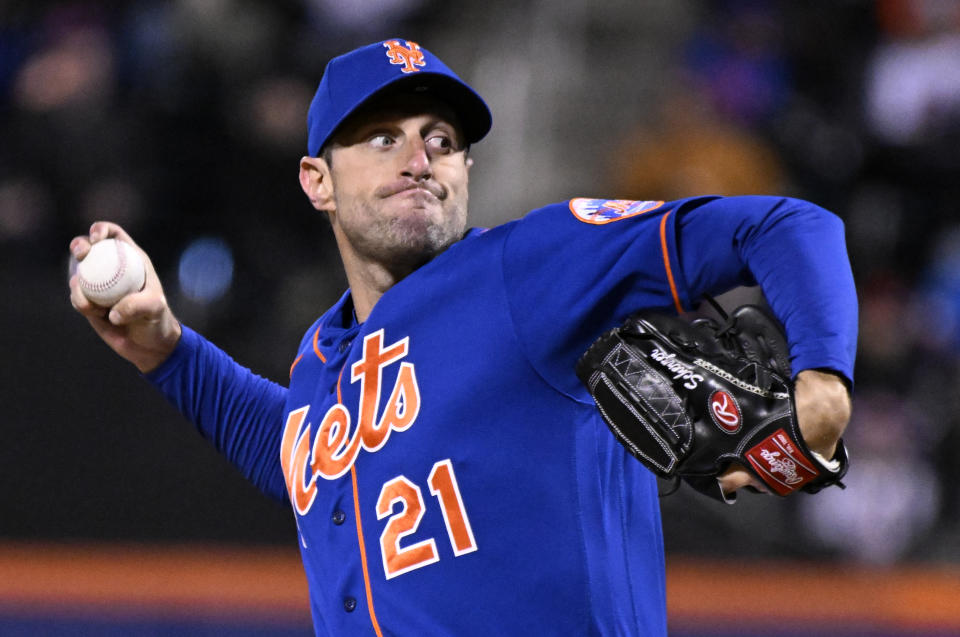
pixel 349 604
pixel 338 517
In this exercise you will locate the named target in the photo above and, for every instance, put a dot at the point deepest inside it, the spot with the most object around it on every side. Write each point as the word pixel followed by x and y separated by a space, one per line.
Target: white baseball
pixel 110 271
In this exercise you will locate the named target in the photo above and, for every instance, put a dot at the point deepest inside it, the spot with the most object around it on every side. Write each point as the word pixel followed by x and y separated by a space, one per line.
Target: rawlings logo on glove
pixel 687 399
pixel 723 408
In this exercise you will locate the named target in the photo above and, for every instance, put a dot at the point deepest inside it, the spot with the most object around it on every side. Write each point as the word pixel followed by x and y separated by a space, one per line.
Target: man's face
pixel 399 179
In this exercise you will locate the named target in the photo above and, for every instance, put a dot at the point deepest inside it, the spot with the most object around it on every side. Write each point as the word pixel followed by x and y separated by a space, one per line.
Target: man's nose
pixel 417 164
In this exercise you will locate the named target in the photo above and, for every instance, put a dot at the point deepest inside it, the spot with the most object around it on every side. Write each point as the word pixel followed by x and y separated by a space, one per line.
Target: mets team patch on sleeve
pixel 601 211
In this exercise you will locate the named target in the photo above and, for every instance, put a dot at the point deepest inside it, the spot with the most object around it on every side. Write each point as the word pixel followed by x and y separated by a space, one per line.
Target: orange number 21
pixel 398 560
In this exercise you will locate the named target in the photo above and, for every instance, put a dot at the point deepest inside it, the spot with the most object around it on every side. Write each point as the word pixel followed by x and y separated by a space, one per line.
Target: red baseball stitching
pixel 112 281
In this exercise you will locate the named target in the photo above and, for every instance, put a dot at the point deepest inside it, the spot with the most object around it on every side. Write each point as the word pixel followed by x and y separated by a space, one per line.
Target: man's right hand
pixel 140 327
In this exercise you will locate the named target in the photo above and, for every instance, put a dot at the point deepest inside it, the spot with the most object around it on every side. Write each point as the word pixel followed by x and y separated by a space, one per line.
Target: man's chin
pixel 417 239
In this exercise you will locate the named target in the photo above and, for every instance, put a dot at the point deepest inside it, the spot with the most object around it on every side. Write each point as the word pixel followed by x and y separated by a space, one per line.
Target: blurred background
pixel 184 120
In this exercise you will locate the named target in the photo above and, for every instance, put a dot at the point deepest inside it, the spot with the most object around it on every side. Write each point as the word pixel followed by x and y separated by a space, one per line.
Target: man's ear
pixel 315 179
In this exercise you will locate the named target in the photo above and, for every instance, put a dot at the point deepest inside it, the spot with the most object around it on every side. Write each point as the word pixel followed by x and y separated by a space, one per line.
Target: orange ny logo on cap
pixel 409 56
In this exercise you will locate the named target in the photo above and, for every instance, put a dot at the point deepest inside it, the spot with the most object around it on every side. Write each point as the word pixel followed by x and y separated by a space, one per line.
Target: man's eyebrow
pixel 374 128
pixel 435 122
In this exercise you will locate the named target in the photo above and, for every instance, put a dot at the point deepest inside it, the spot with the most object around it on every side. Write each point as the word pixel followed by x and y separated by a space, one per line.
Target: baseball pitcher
pixel 470 437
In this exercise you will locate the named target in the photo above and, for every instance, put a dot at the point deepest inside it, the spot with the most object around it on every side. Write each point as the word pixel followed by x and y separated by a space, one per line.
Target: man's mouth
pixel 420 195
pixel 425 191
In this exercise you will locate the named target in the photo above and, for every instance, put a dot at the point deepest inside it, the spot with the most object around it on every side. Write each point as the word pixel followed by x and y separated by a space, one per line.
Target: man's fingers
pixel 145 305
pixel 101 230
pixel 736 477
pixel 79 247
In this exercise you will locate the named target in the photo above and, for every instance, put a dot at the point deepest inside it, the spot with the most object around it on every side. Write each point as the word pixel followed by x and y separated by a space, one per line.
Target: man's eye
pixel 381 141
pixel 440 142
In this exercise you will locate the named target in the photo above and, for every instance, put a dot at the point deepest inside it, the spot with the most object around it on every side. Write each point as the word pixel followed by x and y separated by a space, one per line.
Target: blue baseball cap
pixel 353 78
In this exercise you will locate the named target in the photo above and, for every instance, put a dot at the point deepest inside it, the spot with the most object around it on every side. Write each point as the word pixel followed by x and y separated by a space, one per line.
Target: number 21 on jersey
pixel 442 481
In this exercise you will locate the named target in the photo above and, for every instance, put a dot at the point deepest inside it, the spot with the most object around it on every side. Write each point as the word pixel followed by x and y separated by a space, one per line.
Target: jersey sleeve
pixel 796 252
pixel 240 413
pixel 572 271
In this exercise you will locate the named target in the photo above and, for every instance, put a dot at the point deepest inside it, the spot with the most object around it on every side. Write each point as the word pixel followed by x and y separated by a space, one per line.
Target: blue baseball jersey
pixel 448 473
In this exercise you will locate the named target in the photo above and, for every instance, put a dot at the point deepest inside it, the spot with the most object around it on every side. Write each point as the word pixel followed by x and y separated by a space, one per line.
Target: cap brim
pixel 474 115
pixel 471 110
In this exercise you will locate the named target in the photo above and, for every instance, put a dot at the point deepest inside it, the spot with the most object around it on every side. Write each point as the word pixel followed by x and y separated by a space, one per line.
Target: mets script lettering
pixel 335 447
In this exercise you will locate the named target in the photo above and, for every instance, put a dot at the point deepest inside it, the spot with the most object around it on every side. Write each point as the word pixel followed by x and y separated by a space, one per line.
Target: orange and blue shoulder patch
pixel 601 211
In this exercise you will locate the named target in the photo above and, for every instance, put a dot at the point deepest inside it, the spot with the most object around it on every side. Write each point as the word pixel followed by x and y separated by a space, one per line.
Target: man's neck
pixel 367 285
pixel 369 280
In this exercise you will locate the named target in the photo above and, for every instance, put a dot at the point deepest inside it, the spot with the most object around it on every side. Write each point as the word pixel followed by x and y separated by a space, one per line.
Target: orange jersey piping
pixel 356 513
pixel 316 347
pixel 666 263
pixel 295 363
pixel 363 552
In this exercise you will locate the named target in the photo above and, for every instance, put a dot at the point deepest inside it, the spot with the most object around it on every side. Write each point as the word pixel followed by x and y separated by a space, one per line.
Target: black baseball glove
pixel 688 398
